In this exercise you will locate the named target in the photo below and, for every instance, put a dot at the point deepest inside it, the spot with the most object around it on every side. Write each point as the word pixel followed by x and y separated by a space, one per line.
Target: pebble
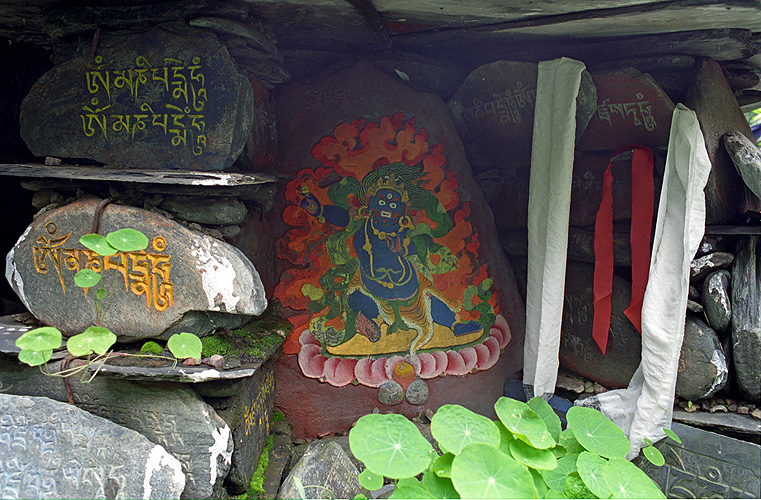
pixel 231 363
pixel 705 405
pixel 215 360
pixel 694 306
pixel 743 410
pixel 192 362
pixel 691 409
pixel 732 407
pixel 716 408
pixel 756 413
pixel 599 389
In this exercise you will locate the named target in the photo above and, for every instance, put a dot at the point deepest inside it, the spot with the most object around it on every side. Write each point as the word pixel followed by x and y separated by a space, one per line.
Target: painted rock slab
pixel 169 98
pixel 631 109
pixel 183 281
pixel 55 450
pixel 392 253
pixel 718 112
pixel 578 351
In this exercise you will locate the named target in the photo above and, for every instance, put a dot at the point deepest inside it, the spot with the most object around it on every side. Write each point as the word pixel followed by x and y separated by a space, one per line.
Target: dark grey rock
pixel 166 98
pixel 746 316
pixel 702 366
pixel 417 393
pixel 55 450
pixel 586 103
pixel 693 293
pixel 254 34
pixel 278 461
pixel 248 413
pixel 578 350
pixel 705 265
pixel 325 471
pixel 694 306
pixel 716 301
pixel 425 74
pixel 391 393
pixel 706 464
pixel 747 159
pixel 710 244
pixel 181 272
pixel 214 211
pixel 170 415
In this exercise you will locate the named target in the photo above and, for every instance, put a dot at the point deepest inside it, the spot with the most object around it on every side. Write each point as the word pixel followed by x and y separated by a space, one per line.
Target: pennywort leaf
pixel 185 345
pixel 94 339
pixel 596 433
pixel 455 427
pixel 98 244
pixel 40 339
pixel 482 471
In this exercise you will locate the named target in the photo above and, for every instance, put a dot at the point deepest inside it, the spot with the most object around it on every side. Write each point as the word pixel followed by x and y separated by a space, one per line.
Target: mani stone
pixel 631 109
pixel 747 159
pixel 718 112
pixel 183 281
pixel 55 450
pixel 702 367
pixel 325 471
pixel 493 111
pixel 506 190
pixel 716 302
pixel 705 265
pixel 168 98
pixel 578 350
pixel 168 414
pixel 746 316
pixel 247 407
pixel 205 210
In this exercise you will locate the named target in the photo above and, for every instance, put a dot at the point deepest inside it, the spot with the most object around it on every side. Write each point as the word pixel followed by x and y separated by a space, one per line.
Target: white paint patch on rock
pixel 219 448
pixel 157 458
pixel 217 275
pixel 203 376
pixel 720 362
pixel 11 275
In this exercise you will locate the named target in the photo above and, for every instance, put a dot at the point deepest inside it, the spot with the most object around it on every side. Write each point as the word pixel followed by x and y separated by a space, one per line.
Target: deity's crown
pixel 389 182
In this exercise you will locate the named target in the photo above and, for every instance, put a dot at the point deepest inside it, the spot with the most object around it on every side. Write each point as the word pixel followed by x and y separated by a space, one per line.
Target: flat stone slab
pixel 56 450
pixel 707 465
pixel 169 98
pixel 732 422
pixel 185 374
pixel 183 281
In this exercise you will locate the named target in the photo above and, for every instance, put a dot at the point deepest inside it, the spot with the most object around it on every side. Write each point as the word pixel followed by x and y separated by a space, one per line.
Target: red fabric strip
pixel 641 230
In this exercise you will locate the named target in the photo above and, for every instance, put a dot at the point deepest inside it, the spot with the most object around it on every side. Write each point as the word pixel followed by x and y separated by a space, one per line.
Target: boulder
pixel 705 265
pixel 205 210
pixel 716 301
pixel 171 415
pixel 493 111
pixel 183 281
pixel 325 471
pixel 55 450
pixel 718 112
pixel 578 350
pixel 711 243
pixel 746 158
pixel 746 316
pixel 168 98
pixel 631 109
pixel 702 365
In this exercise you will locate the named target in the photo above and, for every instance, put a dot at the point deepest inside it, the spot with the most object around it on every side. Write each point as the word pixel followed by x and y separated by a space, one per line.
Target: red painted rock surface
pixel 316 408
pixel 631 109
pixel 711 97
pixel 389 250
pixel 506 190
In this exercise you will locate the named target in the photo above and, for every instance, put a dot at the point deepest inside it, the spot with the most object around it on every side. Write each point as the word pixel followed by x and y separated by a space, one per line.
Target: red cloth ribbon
pixel 643 197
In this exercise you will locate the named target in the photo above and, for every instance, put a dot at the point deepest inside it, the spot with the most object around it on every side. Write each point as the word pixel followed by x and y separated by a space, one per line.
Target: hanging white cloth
pixel 645 407
pixel 548 214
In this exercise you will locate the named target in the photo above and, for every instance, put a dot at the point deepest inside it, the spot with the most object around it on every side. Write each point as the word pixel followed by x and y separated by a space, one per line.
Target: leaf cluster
pixel 524 454
pixel 37 345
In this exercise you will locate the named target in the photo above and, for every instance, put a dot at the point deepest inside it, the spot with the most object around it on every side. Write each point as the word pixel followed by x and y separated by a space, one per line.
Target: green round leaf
pixel 390 445
pixel 482 471
pixel 127 240
pixel 101 293
pixel 505 438
pixel 524 423
pixel 548 415
pixel 539 484
pixel 590 468
pixel 531 457
pixel 34 358
pixel 439 487
pixel 568 441
pixel 654 455
pixel 412 489
pixel 596 433
pixel 455 427
pixel 86 278
pixel 556 477
pixel 185 345
pixel 40 339
pixel 370 480
pixel 94 339
pixel 98 244
pixel 626 480
pixel 672 435
pixel 575 487
pixel 442 466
